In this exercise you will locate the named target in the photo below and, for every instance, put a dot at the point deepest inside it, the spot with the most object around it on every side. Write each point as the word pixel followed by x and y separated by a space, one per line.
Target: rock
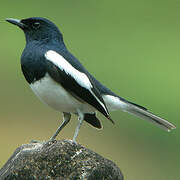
pixel 58 160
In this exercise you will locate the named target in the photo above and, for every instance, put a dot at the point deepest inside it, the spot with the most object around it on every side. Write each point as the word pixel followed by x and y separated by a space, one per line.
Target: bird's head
pixel 38 29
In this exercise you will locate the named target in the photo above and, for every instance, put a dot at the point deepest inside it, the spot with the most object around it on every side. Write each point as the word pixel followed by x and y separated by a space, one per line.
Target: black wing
pixel 69 82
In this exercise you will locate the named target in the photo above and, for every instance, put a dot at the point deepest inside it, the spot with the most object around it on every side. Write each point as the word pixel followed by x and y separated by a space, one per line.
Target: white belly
pixel 54 95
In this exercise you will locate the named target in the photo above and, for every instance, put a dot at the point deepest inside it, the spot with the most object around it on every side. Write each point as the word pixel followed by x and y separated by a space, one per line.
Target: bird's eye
pixel 36 25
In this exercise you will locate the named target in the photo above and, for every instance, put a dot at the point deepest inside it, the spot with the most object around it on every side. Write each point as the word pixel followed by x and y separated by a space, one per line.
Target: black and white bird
pixel 60 80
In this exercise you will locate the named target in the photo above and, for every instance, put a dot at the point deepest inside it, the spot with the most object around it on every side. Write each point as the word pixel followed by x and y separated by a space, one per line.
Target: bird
pixel 59 80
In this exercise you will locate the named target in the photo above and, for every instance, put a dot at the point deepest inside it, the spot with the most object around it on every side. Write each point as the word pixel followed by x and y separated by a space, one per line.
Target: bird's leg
pixel 66 119
pixel 80 121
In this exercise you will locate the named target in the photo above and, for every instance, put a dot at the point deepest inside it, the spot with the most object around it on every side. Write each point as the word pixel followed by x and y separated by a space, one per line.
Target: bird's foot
pixel 49 142
pixel 35 141
pixel 74 141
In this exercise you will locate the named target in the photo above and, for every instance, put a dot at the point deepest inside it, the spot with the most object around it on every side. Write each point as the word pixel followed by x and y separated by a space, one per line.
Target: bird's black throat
pixel 33 64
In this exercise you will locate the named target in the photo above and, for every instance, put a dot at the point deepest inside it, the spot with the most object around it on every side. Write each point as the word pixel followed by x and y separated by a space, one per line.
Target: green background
pixel 133 47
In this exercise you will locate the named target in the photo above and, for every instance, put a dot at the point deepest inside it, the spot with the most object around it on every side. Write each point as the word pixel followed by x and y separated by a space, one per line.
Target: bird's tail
pixel 145 114
pixel 114 103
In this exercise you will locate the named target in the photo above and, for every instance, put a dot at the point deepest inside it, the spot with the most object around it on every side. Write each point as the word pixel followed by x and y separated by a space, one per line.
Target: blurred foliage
pixel 133 47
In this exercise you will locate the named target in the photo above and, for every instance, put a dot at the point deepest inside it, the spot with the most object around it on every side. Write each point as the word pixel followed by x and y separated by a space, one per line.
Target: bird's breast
pixel 54 95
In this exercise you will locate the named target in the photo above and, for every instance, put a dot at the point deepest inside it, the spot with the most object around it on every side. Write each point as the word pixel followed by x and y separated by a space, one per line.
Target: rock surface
pixel 58 160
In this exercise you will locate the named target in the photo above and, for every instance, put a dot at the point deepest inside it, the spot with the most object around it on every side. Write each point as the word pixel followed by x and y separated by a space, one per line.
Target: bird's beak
pixel 16 22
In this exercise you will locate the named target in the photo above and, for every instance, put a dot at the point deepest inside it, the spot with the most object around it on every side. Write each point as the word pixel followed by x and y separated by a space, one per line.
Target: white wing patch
pixel 64 65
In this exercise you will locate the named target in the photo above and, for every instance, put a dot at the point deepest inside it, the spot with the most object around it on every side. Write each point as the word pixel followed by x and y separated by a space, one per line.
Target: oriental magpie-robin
pixel 60 80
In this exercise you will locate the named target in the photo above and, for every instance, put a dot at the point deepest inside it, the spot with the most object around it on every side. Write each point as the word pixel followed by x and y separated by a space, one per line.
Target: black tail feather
pixel 93 120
